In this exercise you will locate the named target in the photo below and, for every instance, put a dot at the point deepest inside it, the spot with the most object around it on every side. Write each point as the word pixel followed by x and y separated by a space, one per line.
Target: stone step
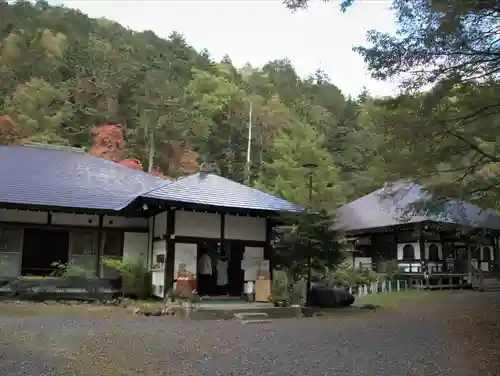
pixel 490 288
pixel 257 321
pixel 250 315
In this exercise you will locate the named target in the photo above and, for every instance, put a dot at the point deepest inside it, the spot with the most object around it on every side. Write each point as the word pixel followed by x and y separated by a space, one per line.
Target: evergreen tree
pixel 286 176
pixel 308 239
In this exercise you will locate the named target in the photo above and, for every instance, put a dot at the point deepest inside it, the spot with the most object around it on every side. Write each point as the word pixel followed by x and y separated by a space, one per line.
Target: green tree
pixel 445 55
pixel 308 239
pixel 63 73
pixel 40 110
pixel 286 176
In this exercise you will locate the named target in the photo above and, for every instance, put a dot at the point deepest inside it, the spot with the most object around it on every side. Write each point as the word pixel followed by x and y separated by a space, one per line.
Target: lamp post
pixel 310 168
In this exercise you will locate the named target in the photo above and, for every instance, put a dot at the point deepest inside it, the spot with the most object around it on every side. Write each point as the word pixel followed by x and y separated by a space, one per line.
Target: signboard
pixel 186 256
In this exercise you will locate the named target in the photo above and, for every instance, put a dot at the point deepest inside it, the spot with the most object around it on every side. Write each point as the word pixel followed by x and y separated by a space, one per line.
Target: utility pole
pixel 310 170
pixel 249 146
pixel 151 151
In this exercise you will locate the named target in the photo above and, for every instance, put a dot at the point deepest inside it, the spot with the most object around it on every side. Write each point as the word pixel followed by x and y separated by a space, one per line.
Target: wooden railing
pixel 433 267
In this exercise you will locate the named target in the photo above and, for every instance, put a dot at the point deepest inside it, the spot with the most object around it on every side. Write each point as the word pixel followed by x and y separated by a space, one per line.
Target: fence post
pixel 398 288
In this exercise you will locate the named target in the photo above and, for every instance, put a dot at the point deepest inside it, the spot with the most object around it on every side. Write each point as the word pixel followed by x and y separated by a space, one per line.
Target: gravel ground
pixel 454 334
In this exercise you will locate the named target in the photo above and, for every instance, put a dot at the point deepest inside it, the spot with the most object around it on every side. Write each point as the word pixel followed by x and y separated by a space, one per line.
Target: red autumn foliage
pixel 132 163
pixel 9 133
pixel 108 142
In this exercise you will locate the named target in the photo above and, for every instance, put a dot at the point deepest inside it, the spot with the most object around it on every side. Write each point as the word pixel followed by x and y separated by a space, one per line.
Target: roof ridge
pixel 39 145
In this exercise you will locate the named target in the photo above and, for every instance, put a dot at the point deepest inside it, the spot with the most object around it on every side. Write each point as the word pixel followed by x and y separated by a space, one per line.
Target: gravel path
pixel 435 338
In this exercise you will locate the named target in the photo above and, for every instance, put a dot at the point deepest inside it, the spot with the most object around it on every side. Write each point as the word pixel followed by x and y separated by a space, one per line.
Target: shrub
pixel 391 270
pixel 345 275
pixel 134 277
pixel 70 270
pixel 279 292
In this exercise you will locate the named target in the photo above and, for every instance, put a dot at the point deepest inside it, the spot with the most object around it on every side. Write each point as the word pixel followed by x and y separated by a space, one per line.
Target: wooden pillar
pixel 421 245
pixel 223 232
pixel 100 245
pixel 496 251
pixel 151 241
pixel 469 258
pixel 168 282
pixel 268 248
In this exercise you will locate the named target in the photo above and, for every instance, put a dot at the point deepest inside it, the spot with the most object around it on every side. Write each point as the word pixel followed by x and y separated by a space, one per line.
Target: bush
pixel 391 270
pixel 279 293
pixel 134 277
pixel 70 270
pixel 345 275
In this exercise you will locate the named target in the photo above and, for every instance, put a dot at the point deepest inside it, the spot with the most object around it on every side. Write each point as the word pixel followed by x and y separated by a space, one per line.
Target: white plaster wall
pixel 75 219
pixel 158 270
pixel 117 222
pixel 135 247
pixel 160 226
pixel 245 228
pixel 158 280
pixel 22 216
pixel 200 225
pixel 158 249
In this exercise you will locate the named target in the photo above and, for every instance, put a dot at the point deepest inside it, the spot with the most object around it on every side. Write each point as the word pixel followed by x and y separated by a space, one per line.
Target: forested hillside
pixel 63 74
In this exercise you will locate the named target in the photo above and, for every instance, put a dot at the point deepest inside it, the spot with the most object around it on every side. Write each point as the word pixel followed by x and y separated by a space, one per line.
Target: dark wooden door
pixel 461 259
pixel 235 273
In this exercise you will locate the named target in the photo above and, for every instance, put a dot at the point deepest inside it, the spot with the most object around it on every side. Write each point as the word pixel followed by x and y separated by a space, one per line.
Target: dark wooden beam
pixel 268 248
pixel 100 233
pixel 169 252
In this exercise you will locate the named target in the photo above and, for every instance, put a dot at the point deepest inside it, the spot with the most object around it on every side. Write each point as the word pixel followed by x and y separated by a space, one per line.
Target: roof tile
pixel 64 178
pixel 213 190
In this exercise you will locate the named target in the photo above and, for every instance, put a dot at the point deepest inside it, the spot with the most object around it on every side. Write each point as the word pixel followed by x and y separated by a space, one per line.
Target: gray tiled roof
pixel 393 206
pixel 213 190
pixel 64 178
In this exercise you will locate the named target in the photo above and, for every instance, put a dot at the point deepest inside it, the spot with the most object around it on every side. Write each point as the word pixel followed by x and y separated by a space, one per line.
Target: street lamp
pixel 310 168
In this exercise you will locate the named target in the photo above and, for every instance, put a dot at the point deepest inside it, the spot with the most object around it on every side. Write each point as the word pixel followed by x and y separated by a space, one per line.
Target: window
pixel 433 252
pixel 83 248
pixel 11 242
pixel 408 252
pixel 112 247
pixel 112 244
pixel 83 243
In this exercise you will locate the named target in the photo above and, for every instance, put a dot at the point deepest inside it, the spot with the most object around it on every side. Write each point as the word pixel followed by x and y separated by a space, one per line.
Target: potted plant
pixel 279 296
pixel 174 296
pixel 191 301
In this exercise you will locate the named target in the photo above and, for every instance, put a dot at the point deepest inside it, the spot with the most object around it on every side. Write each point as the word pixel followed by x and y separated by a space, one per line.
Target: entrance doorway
pixel 41 248
pixel 235 273
pixel 231 256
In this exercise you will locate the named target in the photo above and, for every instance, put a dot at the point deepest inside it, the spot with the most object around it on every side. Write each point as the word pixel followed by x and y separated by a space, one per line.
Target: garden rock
pixel 330 297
